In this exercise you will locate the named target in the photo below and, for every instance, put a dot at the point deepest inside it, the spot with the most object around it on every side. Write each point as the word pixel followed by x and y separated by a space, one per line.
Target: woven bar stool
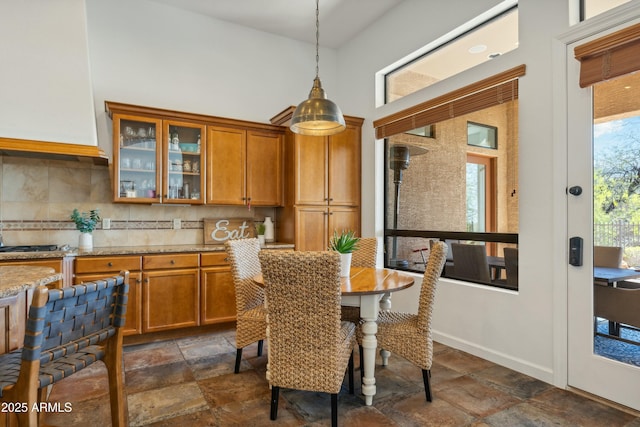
pixel 67 330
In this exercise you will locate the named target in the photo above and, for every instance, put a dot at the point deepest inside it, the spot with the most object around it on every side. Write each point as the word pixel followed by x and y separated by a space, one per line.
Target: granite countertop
pixel 19 278
pixel 126 250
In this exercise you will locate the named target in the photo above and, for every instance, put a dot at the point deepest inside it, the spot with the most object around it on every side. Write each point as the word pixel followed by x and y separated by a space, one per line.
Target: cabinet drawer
pixel 150 262
pixel 212 259
pixel 107 264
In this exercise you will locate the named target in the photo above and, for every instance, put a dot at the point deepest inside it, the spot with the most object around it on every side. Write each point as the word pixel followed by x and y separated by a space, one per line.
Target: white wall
pixel 514 329
pixel 145 53
pixel 45 84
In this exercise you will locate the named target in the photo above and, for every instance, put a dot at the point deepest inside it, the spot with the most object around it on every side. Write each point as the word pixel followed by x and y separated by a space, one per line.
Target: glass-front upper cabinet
pixel 136 159
pixel 183 180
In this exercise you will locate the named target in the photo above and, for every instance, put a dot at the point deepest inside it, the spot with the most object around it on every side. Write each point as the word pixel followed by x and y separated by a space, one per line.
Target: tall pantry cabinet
pixel 322 180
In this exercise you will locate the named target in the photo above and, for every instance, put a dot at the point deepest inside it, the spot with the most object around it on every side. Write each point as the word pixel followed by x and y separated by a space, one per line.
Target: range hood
pixel 47 109
pixel 52 150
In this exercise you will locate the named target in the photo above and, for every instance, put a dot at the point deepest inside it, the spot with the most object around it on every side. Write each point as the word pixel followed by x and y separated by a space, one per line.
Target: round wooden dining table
pixel 370 289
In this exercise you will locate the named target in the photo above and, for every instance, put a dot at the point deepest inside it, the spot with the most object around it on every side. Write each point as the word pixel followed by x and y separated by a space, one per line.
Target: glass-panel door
pixel 137 159
pixel 602 168
pixel 183 160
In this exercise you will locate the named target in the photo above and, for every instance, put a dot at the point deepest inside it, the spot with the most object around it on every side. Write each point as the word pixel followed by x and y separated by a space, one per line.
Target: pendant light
pixel 317 115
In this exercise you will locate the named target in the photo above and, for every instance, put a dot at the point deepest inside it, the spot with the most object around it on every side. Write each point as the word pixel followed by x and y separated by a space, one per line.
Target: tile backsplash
pixel 37 197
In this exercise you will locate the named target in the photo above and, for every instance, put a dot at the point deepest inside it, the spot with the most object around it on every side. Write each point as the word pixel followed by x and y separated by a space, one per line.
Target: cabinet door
pixel 170 299
pixel 343 218
pixel 226 159
pixel 218 301
pixel 183 157
pixel 311 228
pixel 137 143
pixel 344 167
pixel 13 316
pixel 311 170
pixel 264 168
pixel 133 322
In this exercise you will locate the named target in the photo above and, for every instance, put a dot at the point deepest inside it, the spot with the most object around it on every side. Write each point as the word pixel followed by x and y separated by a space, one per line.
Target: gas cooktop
pixel 29 248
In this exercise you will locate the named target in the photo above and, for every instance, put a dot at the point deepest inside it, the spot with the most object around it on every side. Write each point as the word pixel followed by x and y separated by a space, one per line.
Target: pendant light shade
pixel 317 115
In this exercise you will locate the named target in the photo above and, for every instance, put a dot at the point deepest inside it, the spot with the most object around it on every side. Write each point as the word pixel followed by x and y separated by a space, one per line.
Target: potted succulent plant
pixel 85 222
pixel 344 243
pixel 260 230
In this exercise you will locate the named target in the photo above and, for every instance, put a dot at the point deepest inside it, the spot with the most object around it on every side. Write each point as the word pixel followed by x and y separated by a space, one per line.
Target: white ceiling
pixel 340 20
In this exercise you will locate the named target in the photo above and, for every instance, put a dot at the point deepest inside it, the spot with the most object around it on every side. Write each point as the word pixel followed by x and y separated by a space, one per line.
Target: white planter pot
pixel 86 241
pixel 261 240
pixel 345 264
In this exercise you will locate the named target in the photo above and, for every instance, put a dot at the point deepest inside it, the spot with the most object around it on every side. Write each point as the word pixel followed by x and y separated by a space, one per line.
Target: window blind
pixel 610 56
pixel 486 93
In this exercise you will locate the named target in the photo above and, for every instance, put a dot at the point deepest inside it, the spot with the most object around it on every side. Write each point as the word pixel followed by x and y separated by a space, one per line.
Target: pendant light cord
pixel 317 38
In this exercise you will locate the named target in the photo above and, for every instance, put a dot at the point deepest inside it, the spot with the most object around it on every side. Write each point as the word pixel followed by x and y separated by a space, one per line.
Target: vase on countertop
pixel 345 264
pixel 268 229
pixel 261 240
pixel 86 242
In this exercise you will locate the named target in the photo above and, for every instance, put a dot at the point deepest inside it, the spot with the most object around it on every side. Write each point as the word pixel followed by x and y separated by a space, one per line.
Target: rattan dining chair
pixel 251 316
pixel 309 346
pixel 409 335
pixel 67 330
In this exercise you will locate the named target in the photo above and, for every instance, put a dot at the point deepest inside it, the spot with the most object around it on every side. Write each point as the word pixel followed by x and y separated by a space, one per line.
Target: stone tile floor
pixel 190 382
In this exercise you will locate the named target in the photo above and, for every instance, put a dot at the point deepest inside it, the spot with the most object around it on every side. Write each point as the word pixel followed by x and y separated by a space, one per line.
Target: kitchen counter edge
pixel 126 250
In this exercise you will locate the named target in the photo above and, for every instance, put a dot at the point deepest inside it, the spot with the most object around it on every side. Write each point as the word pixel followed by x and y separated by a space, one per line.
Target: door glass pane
pixel 616 217
pixel 476 197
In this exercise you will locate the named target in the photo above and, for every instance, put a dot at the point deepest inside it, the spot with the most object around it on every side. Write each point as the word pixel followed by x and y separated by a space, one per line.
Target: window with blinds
pixel 440 187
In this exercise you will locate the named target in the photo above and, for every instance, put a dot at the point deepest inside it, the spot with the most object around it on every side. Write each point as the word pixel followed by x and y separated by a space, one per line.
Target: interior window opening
pixel 467 47
pixel 459 187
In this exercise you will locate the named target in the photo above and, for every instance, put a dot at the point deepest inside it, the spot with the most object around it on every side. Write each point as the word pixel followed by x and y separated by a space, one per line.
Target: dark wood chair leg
pixel 275 393
pixel 238 360
pixel 426 375
pixel 260 343
pixel 334 410
pixel 350 368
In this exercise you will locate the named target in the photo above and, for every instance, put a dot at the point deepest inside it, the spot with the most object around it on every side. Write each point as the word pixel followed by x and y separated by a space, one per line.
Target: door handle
pixel 576 190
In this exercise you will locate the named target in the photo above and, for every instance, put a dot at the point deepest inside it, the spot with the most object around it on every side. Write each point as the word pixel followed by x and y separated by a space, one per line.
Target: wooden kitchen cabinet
pixel 327 169
pixel 170 291
pixel 218 296
pixel 157 157
pixel 89 269
pixel 315 225
pixel 13 314
pixel 244 167
pixel 322 181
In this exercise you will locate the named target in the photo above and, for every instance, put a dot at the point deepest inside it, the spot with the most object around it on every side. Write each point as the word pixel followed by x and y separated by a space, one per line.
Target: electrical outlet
pixel 106 223
pixel 177 223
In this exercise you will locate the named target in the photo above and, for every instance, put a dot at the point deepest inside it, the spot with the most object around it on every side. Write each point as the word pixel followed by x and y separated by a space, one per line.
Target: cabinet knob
pixel 138 281
pixel 172 262
pixel 110 264
pixel 331 199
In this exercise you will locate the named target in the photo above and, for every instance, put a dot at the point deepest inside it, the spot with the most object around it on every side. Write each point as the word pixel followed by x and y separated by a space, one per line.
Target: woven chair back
pixel 243 257
pixel 435 264
pixel 82 315
pixel 366 254
pixel 303 314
